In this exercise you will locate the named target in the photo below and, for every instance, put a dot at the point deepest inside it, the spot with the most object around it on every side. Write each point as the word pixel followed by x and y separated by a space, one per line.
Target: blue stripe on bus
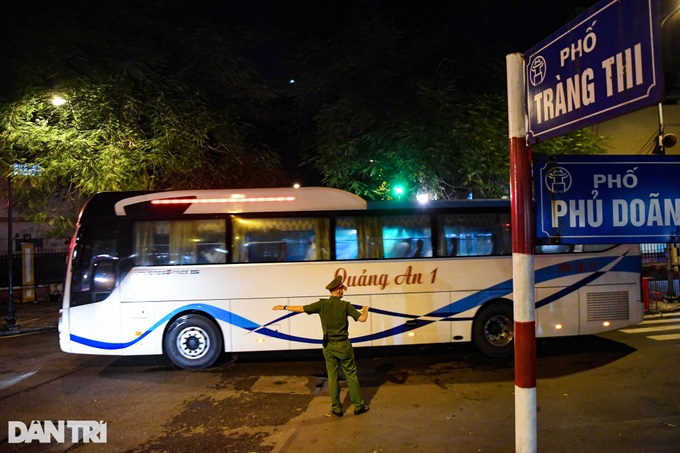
pixel 568 290
pixel 216 312
pixel 625 264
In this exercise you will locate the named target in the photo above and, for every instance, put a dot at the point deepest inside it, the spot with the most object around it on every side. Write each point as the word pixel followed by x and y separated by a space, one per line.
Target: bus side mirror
pixel 104 273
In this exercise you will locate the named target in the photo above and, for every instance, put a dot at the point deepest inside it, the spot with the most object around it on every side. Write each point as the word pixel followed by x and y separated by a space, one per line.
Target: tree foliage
pixel 160 94
pixel 157 97
pixel 401 99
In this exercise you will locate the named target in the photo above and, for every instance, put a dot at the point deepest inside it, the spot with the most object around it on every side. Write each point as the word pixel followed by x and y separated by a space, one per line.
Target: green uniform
pixel 339 352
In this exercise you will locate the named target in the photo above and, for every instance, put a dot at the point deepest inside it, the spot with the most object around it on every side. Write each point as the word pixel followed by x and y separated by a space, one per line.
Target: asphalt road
pixel 613 392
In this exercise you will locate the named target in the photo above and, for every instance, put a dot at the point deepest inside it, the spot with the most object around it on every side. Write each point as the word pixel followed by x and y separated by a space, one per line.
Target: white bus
pixel 191 274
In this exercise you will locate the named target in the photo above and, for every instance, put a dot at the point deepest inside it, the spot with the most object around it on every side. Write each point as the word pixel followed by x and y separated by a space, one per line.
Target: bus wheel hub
pixel 193 342
pixel 498 330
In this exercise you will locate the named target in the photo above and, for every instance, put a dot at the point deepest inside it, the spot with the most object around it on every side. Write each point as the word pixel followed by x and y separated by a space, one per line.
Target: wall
pixel 633 133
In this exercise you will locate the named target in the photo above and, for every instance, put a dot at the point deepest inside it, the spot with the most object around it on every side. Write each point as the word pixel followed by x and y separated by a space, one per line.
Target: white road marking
pixel 5 383
pixel 657 323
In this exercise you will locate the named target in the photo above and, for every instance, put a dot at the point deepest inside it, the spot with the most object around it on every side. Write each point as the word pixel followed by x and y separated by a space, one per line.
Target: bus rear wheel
pixel 193 342
pixel 493 330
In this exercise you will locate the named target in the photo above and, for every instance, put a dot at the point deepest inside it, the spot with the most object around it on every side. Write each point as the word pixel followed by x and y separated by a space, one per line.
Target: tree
pixel 157 97
pixel 401 100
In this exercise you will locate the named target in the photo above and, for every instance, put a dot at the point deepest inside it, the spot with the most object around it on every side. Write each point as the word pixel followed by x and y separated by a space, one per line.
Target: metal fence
pixel 656 252
pixel 49 269
pixel 656 273
pixel 658 277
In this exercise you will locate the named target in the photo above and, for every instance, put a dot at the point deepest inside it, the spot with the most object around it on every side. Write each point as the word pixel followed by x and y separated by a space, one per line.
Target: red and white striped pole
pixel 522 259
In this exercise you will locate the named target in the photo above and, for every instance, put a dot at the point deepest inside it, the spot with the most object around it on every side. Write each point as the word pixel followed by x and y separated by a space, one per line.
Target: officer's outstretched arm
pixel 295 308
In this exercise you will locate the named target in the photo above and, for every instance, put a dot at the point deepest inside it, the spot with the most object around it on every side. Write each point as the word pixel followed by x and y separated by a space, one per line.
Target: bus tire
pixel 493 330
pixel 193 342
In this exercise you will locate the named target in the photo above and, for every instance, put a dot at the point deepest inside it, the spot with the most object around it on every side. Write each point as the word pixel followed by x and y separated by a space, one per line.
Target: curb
pixel 10 333
pixel 664 307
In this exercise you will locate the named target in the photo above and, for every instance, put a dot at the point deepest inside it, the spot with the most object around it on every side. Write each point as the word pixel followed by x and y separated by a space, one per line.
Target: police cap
pixel 335 284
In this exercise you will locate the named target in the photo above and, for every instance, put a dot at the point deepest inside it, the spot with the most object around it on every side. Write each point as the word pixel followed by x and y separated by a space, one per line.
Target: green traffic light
pixel 398 191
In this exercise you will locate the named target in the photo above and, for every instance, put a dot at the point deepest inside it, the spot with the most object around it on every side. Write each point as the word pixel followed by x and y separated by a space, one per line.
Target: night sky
pixel 481 30
pixel 501 26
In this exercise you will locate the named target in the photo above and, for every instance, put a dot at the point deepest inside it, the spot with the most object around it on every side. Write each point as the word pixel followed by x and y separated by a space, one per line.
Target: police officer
pixel 337 350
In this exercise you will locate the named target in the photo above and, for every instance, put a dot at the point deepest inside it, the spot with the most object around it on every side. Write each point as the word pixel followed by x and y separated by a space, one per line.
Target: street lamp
pixel 58 101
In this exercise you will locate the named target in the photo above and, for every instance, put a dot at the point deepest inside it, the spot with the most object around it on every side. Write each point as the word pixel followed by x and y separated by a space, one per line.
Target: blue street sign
pixel 27 169
pixel 607 199
pixel 603 64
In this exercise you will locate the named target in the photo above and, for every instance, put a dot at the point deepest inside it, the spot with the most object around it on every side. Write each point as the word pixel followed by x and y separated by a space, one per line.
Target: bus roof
pixel 450 204
pixel 232 201
pixel 220 201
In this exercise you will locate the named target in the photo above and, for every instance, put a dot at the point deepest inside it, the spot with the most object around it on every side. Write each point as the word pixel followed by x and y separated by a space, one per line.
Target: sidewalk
pixel 663 306
pixel 39 316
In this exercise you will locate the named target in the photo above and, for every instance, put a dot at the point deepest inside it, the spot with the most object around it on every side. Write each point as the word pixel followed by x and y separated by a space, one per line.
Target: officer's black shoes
pixel 363 410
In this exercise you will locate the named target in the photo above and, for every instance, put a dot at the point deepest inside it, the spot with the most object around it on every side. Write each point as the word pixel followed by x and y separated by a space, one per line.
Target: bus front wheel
pixel 493 330
pixel 193 342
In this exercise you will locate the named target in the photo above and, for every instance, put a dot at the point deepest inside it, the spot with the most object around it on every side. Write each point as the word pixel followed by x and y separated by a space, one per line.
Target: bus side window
pixel 176 242
pixel 257 240
pixel 358 238
pixel 407 236
pixel 551 248
pixel 346 239
pixel 482 234
pixel 565 248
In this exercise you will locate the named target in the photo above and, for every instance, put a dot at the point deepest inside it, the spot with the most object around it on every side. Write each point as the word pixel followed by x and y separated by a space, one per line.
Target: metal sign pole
pixel 10 319
pixel 522 260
